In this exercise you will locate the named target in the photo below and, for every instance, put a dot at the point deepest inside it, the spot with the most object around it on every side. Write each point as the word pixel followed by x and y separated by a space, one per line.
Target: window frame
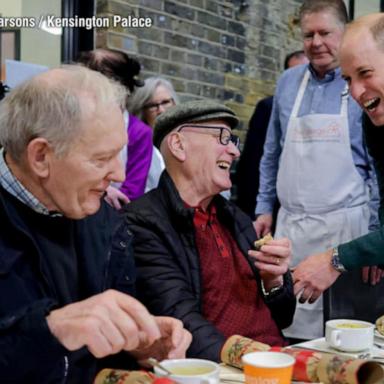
pixel 17 39
pixel 75 40
pixel 352 8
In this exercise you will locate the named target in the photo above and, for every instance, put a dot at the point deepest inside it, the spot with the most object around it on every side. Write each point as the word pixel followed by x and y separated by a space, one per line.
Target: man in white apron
pixel 315 142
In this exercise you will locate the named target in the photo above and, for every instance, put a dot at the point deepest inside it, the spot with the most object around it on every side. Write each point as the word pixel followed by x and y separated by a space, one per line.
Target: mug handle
pixel 335 338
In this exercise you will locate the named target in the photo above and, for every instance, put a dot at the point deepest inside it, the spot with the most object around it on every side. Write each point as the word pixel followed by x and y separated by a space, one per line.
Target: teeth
pixel 223 164
pixel 368 104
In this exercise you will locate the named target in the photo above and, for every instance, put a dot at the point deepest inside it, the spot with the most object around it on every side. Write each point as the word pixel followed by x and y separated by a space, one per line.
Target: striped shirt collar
pixel 9 182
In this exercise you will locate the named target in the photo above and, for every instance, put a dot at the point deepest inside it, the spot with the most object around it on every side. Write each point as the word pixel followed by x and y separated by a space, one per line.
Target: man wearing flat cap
pixel 193 248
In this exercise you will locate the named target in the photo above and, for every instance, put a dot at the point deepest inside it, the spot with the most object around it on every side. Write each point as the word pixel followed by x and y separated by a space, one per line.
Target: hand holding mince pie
pixel 272 258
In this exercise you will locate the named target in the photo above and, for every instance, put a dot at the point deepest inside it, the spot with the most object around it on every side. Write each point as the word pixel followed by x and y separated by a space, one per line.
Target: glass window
pixel 9 48
pixel 30 42
pixel 363 7
pixel 358 8
pixel 44 43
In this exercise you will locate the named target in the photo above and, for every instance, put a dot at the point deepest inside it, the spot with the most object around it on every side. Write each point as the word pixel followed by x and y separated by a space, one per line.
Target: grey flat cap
pixel 191 112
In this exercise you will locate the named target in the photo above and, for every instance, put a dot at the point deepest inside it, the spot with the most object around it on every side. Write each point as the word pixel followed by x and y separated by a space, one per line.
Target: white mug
pixel 349 335
pixel 191 371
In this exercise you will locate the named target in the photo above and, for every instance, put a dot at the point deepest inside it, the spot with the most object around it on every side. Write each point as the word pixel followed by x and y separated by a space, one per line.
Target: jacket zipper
pixel 66 369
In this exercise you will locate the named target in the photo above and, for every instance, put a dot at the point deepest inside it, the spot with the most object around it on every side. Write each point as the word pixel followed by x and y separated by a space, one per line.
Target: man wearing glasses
pixel 193 247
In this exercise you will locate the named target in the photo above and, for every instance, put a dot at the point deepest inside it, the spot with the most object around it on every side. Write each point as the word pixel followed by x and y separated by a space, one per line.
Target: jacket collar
pixel 172 197
pixel 176 205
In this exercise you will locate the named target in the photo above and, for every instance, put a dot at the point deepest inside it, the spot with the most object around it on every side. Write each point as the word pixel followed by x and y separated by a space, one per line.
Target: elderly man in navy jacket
pixel 193 247
pixel 62 133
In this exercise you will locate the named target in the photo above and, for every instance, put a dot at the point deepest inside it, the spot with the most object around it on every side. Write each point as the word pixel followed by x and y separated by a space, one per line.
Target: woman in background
pixel 148 102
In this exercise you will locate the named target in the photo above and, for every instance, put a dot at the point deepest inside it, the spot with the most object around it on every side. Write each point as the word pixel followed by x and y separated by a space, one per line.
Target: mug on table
pixel 349 335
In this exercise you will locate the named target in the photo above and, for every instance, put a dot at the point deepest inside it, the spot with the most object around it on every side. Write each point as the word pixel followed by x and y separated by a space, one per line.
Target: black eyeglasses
pixel 225 137
pixel 154 107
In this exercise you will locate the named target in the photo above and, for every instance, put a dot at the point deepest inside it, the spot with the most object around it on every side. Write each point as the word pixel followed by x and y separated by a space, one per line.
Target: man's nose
pixel 117 173
pixel 233 149
pixel 356 89
pixel 317 40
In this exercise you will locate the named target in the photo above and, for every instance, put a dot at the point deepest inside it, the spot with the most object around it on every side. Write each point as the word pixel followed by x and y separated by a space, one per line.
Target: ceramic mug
pixel 191 371
pixel 349 335
pixel 268 368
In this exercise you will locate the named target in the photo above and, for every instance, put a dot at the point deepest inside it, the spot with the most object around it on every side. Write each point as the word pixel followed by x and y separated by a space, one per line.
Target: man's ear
pixel 38 154
pixel 176 145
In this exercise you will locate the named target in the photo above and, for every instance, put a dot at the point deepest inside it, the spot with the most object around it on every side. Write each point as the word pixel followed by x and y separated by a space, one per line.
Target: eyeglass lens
pixel 225 135
pixel 156 106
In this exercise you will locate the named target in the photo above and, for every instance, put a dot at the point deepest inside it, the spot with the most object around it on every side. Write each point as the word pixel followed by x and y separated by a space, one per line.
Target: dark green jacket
pixel 369 249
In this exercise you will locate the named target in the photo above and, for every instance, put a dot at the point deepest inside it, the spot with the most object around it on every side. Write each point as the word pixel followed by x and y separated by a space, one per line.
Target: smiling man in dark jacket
pixel 193 247
pixel 62 133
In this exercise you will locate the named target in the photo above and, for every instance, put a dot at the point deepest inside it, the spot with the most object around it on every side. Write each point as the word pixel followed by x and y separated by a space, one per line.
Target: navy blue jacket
pixel 28 351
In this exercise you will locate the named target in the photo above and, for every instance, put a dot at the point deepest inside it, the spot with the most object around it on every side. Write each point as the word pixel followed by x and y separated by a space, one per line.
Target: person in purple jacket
pixel 139 160
pixel 138 155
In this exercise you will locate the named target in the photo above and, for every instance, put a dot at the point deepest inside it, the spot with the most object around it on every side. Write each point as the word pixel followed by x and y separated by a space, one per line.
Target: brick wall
pixel 231 51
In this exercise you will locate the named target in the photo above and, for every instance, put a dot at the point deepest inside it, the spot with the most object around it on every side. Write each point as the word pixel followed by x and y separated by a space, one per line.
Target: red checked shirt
pixel 231 299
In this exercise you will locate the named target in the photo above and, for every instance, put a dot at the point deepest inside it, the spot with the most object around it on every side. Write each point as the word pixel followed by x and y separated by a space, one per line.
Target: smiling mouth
pixel 371 104
pixel 224 165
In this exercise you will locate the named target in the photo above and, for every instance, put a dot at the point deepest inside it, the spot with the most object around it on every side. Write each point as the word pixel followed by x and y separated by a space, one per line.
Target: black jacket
pixel 246 178
pixel 28 351
pixel 167 262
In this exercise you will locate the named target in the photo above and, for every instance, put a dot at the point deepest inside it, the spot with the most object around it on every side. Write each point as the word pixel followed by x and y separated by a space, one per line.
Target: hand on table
pixel 272 261
pixel 313 276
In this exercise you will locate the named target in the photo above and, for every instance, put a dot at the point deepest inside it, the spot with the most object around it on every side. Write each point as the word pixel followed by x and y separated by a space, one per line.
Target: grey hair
pixel 55 105
pixel 143 95
pixel 336 6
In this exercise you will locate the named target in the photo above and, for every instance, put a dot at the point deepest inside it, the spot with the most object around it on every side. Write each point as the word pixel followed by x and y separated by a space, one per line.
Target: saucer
pixel 322 346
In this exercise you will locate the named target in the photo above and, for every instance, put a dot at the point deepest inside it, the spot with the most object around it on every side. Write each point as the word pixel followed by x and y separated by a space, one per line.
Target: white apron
pixel 324 200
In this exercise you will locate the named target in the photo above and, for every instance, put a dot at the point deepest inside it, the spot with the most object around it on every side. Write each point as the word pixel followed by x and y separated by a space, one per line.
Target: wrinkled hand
pixel 116 198
pixel 273 261
pixel 372 274
pixel 263 224
pixel 313 276
pixel 106 324
pixel 174 342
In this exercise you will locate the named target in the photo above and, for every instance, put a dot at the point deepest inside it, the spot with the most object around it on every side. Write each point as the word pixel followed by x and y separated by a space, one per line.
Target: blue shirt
pixel 320 96
pixel 9 182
